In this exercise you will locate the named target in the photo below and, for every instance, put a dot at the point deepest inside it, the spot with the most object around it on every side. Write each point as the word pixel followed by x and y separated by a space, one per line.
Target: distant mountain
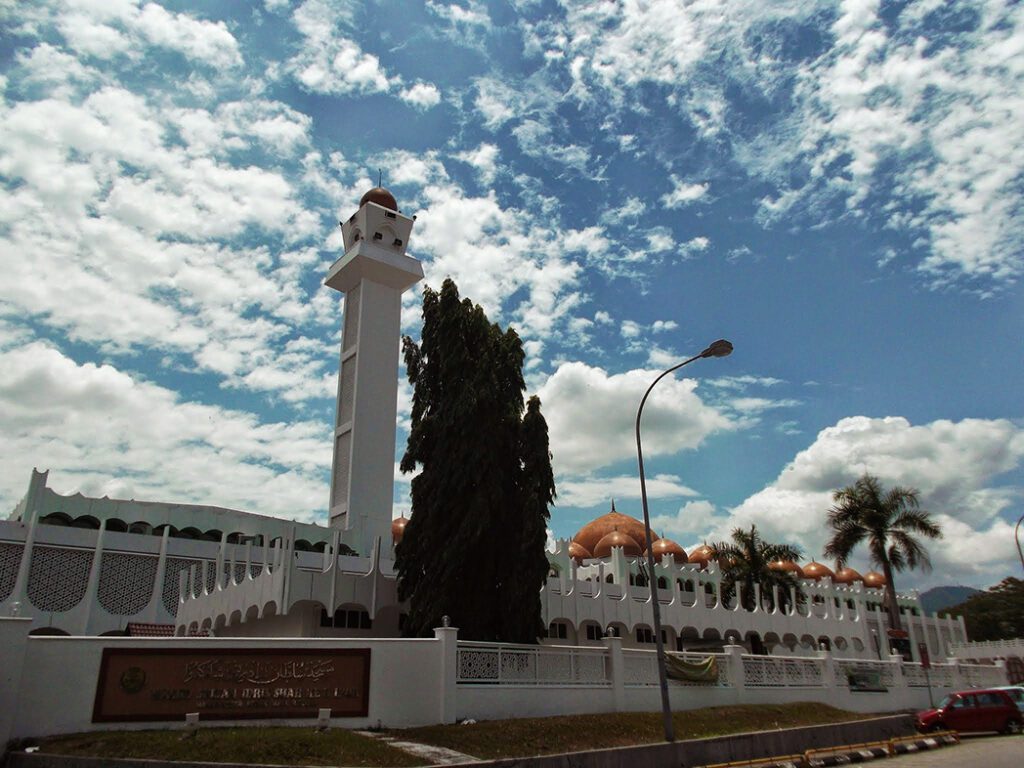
pixel 941 598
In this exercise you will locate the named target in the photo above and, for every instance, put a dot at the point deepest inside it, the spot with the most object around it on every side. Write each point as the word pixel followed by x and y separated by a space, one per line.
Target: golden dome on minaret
pixel 663 547
pixel 817 571
pixel 617 539
pixel 398 528
pixel 578 553
pixel 847 576
pixel 590 534
pixel 874 580
pixel 381 197
pixel 702 555
pixel 787 565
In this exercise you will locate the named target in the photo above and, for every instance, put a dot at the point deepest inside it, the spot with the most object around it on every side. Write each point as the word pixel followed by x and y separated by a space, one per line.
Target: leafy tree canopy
pixel 888 523
pixel 746 561
pixel 473 549
pixel 995 614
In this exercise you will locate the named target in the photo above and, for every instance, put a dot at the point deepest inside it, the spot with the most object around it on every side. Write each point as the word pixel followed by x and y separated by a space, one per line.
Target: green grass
pixel 552 735
pixel 486 740
pixel 275 745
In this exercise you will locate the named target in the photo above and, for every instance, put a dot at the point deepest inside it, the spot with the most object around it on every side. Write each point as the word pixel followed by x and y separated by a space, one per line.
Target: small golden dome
pixel 578 553
pixel 381 197
pixel 668 547
pixel 617 539
pixel 702 555
pixel 590 534
pixel 847 576
pixel 874 580
pixel 398 528
pixel 817 571
pixel 787 565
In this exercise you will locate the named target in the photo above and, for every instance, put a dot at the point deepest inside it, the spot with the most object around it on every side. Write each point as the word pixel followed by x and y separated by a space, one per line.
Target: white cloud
pixel 675 417
pixel 497 102
pixel 955 465
pixel 683 193
pixel 104 432
pixel 484 159
pixel 421 95
pixel 592 491
pixel 694 519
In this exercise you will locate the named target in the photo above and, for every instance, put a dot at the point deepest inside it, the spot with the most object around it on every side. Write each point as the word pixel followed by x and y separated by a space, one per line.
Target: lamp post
pixel 719 348
pixel 1016 538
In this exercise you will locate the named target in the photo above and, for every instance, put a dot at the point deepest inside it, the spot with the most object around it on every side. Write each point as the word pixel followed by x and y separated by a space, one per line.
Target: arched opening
pixel 252 613
pixel 755 644
pixel 118 526
pixel 320 546
pixel 790 641
pixel 561 629
pixel 301 545
pixel 824 643
pixel 617 629
pixel 235 619
pixel 212 535
pixel 115 633
pixel 86 521
pixel 771 641
pixel 609 579
pixel 591 630
pixel 350 617
pixel 140 527
pixel 190 532
pixel 49 632
pixel 55 518
pixel 269 609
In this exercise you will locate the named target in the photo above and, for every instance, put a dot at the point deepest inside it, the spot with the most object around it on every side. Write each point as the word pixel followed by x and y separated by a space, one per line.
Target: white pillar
pixel 448 638
pixel 617 671
pixel 373 274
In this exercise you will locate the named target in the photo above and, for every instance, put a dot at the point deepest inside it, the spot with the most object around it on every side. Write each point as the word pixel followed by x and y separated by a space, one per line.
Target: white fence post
pixel 828 668
pixel 899 679
pixel 956 675
pixel 13 646
pixel 449 650
pixel 737 675
pixel 616 671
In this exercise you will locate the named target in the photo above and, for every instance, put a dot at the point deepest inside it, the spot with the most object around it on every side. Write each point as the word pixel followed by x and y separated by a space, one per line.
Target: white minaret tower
pixel 373 274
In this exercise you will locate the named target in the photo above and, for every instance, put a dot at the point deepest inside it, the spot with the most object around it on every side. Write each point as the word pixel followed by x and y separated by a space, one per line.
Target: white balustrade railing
pixel 781 672
pixel 845 668
pixel 500 664
pixel 640 668
pixel 988 649
pixel 983 675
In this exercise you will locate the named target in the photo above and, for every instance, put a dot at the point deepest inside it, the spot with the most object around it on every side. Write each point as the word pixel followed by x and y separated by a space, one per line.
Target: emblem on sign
pixel 133 680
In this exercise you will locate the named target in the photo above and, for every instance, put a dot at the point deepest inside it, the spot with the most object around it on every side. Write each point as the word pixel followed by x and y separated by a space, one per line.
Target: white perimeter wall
pixel 48 684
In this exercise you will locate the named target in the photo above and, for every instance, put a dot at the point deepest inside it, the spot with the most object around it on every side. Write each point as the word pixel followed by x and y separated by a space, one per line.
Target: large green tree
pixel 995 614
pixel 888 522
pixel 746 561
pixel 473 549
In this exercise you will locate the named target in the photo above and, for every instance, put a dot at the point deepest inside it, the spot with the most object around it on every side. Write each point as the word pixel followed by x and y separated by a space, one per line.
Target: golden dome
pixel 398 528
pixel 847 576
pixel 817 571
pixel 578 553
pixel 874 580
pixel 702 555
pixel 787 565
pixel 617 539
pixel 590 534
pixel 668 547
pixel 381 197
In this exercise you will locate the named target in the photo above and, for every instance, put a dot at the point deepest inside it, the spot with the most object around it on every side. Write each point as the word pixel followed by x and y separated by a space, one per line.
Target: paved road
pixel 980 751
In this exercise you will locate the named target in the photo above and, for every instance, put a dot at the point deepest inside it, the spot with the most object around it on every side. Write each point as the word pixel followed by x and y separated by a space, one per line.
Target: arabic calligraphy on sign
pixel 256 671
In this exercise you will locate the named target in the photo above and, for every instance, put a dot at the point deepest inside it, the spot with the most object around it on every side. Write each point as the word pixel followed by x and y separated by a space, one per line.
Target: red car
pixel 974 710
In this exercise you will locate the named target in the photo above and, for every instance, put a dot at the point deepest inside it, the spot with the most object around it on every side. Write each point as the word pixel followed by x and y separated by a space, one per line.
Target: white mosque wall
pixel 48 684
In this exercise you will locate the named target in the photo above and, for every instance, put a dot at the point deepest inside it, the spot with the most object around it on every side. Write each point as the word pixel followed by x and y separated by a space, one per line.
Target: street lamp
pixel 1016 538
pixel 719 348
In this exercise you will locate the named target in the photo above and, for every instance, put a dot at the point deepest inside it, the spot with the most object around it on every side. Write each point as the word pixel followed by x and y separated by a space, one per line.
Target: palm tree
pixel 887 522
pixel 746 561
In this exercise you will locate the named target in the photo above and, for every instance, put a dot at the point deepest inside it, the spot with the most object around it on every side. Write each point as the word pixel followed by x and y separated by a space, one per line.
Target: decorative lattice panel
pixel 239 573
pixel 57 578
pixel 175 565
pixel 126 582
pixel 211 576
pixel 255 569
pixel 10 559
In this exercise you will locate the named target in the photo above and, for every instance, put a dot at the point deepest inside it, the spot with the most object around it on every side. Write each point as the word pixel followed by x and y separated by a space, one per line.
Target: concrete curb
pixel 757 748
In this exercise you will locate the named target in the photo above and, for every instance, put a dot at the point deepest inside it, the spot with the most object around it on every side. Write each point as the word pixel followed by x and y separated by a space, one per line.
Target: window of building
pixel 593 632
pixel 346 619
pixel 644 635
pixel 557 630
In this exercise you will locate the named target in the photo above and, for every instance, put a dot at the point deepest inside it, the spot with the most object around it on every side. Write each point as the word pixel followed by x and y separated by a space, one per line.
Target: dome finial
pixel 613 505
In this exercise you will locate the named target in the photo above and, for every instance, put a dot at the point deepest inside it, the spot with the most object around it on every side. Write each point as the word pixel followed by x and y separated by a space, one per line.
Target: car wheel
pixel 1013 727
pixel 936 727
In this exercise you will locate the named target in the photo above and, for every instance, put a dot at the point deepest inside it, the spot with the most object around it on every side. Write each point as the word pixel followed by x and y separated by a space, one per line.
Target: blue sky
pixel 835 187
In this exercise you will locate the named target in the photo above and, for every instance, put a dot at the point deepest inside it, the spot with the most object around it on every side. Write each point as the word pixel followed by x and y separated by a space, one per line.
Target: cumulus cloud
pixel 675 417
pixel 105 432
pixel 955 465
pixel 421 95
pixel 594 491
pixel 683 193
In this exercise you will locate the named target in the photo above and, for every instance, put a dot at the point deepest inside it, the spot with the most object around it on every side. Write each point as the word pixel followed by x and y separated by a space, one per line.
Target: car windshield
pixel 946 700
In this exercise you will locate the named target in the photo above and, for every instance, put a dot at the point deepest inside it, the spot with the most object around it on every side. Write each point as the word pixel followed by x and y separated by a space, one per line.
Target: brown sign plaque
pixel 138 684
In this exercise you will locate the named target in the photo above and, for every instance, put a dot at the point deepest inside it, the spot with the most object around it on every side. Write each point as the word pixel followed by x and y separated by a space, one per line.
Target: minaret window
pixel 378 236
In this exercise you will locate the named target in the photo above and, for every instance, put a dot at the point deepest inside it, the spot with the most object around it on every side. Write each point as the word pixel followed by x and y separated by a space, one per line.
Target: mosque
pixel 77 565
